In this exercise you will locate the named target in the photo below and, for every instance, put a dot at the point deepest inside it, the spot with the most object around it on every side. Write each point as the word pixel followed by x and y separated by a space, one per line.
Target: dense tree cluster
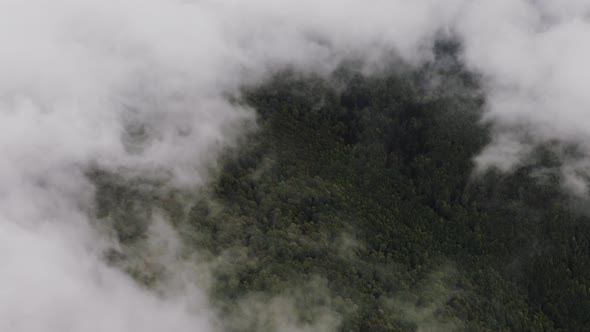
pixel 364 187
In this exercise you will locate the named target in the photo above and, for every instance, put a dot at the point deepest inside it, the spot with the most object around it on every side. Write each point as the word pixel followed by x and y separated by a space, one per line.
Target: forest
pixel 356 197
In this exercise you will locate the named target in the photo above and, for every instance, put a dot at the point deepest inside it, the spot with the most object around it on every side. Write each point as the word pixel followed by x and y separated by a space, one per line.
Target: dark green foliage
pixel 366 185
pixel 383 162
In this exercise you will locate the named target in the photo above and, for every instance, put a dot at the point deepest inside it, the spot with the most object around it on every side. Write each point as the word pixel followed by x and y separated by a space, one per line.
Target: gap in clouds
pixel 140 88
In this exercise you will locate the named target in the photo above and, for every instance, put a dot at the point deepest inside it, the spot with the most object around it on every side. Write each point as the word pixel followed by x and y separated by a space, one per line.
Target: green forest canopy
pixel 356 196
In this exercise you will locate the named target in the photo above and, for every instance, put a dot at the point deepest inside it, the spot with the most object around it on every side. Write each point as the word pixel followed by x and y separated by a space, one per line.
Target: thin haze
pixel 139 86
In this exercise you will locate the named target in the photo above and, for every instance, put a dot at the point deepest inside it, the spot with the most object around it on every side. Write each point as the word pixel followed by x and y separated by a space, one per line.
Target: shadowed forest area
pixel 355 198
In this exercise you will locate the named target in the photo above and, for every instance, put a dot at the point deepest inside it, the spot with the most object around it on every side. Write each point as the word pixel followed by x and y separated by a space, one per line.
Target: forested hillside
pixel 356 198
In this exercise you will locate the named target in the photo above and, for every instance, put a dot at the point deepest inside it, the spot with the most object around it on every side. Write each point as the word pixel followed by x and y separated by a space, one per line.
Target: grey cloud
pixel 140 85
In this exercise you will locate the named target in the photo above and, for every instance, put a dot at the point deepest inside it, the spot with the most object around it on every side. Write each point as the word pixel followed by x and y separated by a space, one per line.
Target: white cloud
pixel 77 76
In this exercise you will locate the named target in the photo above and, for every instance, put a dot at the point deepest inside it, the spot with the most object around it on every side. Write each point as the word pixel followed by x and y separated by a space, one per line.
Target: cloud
pixel 532 58
pixel 140 86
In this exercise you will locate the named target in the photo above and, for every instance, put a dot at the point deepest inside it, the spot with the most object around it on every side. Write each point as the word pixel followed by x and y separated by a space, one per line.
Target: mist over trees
pixel 294 165
pixel 357 199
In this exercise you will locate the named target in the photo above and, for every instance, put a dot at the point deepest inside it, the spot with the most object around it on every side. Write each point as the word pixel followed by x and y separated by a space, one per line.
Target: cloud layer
pixel 140 86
